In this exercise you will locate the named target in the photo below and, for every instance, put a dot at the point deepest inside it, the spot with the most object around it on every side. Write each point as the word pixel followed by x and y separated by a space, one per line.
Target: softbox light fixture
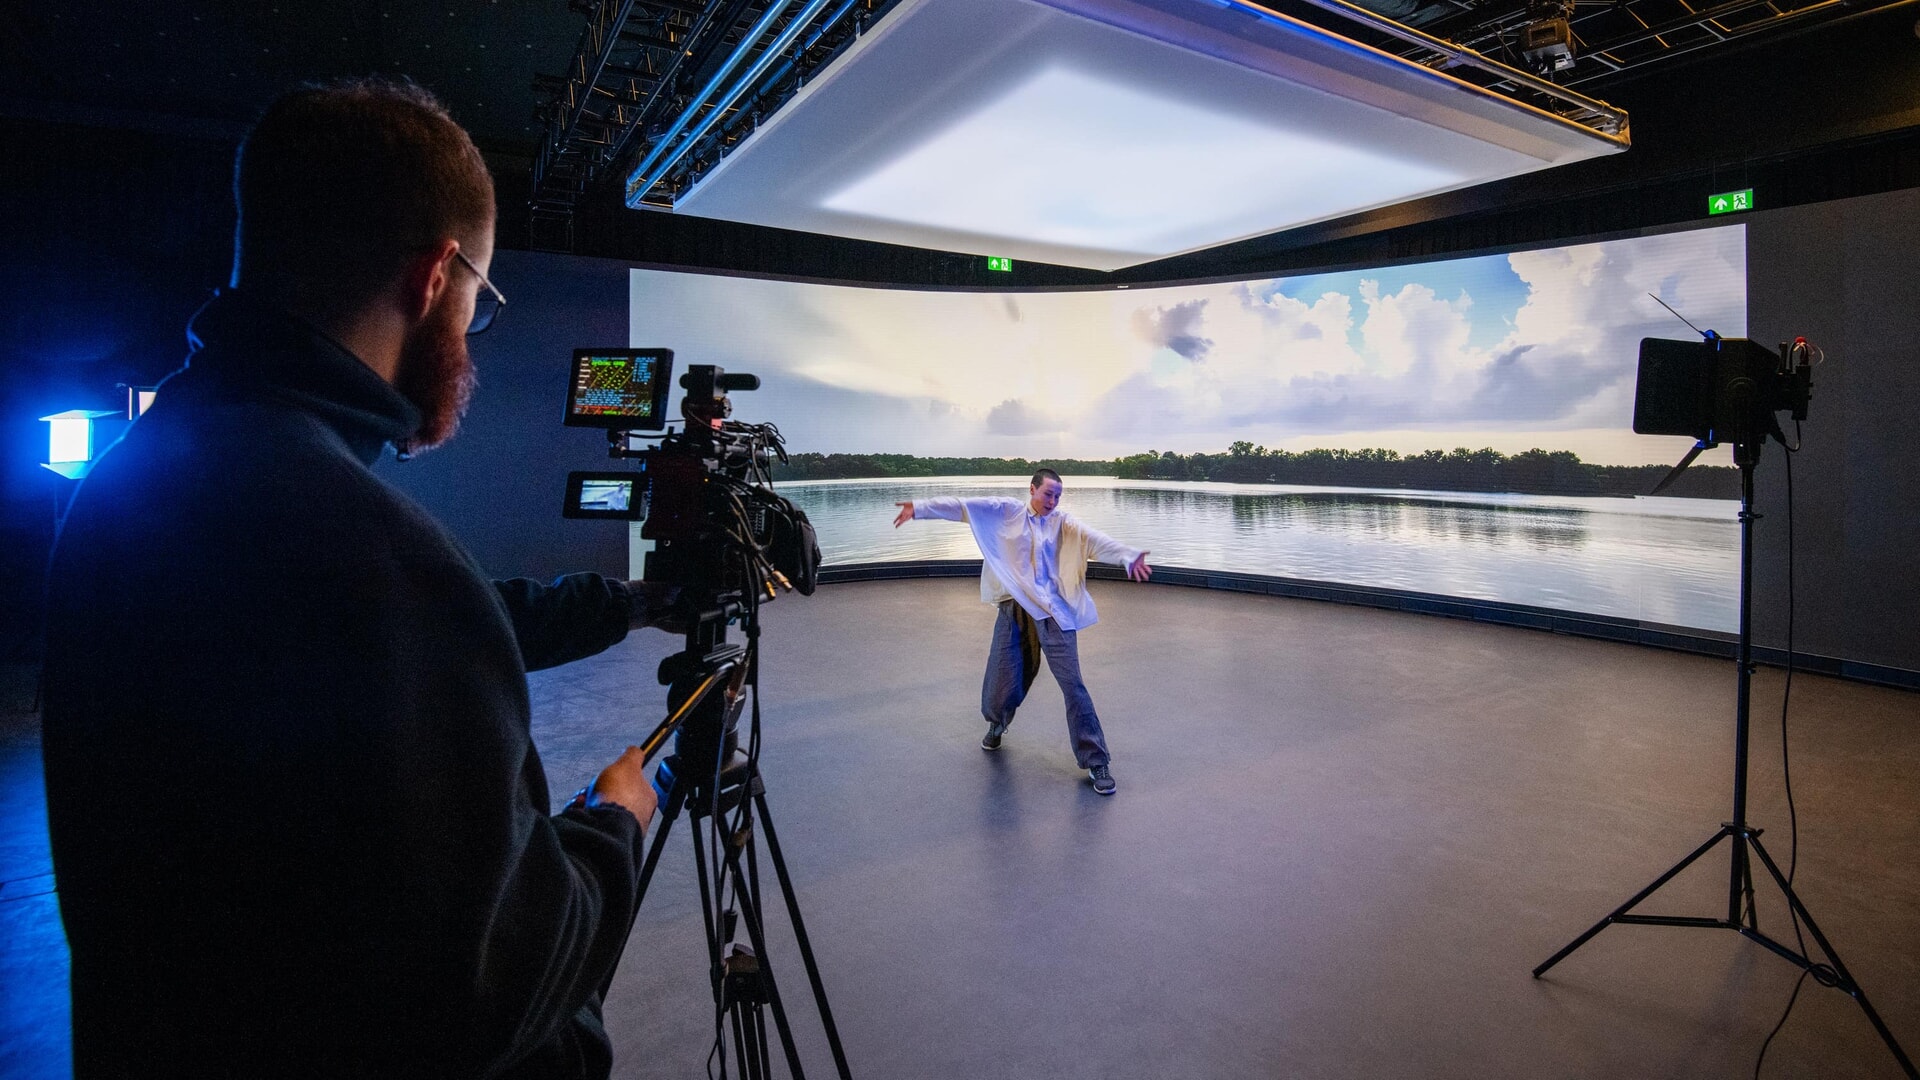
pixel 1107 133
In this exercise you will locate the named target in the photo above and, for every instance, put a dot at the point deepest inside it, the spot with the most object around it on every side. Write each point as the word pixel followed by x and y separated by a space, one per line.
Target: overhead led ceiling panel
pixel 1106 133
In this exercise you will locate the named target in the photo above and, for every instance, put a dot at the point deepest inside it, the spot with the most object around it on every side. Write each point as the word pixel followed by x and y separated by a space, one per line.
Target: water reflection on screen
pixel 1669 561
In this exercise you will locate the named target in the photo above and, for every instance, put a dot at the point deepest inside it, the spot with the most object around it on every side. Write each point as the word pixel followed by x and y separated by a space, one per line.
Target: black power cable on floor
pixel 1786 769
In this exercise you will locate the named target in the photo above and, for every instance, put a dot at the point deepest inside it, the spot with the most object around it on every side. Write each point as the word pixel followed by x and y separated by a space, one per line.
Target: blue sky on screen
pixel 1490 281
pixel 1513 351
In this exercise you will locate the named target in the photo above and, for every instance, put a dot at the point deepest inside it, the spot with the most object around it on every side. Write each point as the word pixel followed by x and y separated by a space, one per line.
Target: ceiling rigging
pixel 658 91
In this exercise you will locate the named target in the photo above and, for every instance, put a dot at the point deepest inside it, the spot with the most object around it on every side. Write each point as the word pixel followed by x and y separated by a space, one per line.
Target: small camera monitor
pixel 619 389
pixel 606 496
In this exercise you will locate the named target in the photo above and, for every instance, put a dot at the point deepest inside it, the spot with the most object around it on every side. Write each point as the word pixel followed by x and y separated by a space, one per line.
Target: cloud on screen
pixel 1174 328
pixel 1525 345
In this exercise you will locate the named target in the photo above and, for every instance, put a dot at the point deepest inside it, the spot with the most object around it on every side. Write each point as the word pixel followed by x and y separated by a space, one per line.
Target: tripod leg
pixel 718 933
pixel 760 1035
pixel 1752 918
pixel 676 799
pixel 759 1014
pixel 749 1023
pixel 1844 979
pixel 743 1052
pixel 750 914
pixel 1634 902
pixel 800 937
pixel 706 904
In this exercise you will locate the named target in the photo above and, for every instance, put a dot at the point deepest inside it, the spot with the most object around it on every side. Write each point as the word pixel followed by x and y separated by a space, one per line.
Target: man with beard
pixel 298 824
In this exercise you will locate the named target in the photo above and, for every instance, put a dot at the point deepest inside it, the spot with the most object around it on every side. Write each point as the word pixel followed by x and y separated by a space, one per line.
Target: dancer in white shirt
pixel 1034 567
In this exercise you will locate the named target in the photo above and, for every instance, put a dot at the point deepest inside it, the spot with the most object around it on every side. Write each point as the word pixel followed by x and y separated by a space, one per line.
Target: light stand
pixel 1744 839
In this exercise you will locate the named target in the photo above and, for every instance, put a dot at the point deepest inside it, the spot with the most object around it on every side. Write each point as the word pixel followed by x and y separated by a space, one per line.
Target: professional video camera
pixel 725 543
pixel 719 531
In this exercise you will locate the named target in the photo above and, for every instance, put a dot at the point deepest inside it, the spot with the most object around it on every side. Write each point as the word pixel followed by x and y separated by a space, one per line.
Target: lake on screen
pixel 1671 561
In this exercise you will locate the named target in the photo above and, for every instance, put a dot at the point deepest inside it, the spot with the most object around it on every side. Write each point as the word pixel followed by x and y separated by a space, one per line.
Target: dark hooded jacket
pixel 298 824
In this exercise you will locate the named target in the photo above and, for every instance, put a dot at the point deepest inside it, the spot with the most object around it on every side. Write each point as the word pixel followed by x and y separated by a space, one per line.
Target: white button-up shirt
pixel 1036 560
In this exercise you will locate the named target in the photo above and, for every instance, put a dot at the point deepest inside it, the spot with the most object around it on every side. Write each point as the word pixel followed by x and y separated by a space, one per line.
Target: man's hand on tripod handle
pixel 623 783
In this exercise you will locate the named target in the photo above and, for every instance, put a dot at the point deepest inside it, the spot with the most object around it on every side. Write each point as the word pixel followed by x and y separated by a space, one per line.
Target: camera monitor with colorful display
pixel 619 389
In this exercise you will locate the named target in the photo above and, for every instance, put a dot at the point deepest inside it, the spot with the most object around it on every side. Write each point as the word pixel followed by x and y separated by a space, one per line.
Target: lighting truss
pixel 1108 133
pixel 659 92
pixel 1461 57
pixel 643 68
pixel 1614 36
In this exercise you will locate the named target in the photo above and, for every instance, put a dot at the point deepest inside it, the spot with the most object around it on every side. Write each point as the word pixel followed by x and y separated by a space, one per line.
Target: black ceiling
pixel 218 63
pixel 203 69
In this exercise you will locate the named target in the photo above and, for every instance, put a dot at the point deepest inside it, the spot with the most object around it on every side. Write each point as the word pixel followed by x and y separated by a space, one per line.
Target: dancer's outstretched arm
pixel 1106 549
pixel 948 508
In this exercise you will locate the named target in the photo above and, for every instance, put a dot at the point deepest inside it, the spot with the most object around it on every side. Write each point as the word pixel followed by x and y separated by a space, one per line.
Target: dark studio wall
pixel 109 240
pixel 1845 275
pixel 499 483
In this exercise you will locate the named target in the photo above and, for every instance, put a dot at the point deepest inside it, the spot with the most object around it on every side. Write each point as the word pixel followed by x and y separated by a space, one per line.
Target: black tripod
pixel 1744 839
pixel 708 777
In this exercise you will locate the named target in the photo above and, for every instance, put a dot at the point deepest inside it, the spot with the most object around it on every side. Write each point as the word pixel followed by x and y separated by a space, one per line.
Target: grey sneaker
pixel 992 741
pixel 1102 779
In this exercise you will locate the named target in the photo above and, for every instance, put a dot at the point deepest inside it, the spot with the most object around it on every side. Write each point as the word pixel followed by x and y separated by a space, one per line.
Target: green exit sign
pixel 1730 202
pixel 999 264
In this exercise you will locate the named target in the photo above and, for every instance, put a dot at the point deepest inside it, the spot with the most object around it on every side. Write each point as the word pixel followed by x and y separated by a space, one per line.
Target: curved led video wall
pixel 1459 427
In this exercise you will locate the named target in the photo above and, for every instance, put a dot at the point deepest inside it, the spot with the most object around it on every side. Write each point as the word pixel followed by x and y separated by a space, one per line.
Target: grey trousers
pixel 1012 665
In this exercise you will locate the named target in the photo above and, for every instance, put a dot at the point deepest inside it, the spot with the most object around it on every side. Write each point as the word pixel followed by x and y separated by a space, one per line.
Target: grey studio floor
pixel 1342 839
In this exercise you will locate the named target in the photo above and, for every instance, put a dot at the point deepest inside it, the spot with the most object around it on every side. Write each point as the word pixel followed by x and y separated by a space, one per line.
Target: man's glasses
pixel 487 304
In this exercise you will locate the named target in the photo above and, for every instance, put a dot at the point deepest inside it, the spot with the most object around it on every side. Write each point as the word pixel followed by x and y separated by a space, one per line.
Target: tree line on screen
pixel 1532 472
